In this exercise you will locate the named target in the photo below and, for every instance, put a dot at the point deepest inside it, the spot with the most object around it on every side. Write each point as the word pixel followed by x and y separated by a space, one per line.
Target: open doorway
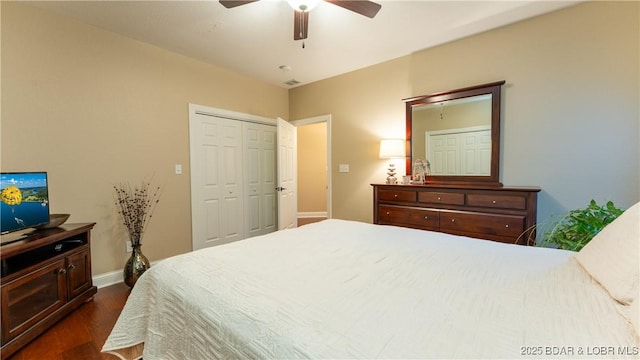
pixel 313 153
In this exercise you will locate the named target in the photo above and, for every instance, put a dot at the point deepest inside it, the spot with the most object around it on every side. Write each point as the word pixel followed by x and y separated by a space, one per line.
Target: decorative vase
pixel 135 266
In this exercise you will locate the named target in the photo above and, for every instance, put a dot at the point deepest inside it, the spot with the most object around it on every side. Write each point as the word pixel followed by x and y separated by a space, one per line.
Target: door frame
pixel 227 114
pixel 314 120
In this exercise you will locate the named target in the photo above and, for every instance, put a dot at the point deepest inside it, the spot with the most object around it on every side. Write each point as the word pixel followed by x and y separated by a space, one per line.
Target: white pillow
pixel 612 257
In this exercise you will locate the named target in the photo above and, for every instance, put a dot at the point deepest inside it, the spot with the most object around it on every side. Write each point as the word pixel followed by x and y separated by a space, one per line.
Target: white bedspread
pixel 342 289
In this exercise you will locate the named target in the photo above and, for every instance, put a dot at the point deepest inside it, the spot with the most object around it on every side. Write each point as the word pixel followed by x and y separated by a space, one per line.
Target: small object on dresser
pixel 55 220
pixel 419 171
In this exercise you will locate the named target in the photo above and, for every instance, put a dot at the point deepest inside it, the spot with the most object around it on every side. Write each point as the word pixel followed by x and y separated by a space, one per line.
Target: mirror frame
pixel 492 88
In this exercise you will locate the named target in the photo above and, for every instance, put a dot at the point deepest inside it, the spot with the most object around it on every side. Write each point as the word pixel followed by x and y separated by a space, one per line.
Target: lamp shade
pixel 392 148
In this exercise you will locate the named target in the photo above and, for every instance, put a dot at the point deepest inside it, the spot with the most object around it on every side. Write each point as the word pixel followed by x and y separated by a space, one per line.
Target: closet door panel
pixel 252 179
pixel 268 179
pixel 210 149
pixel 259 162
pixel 231 220
pixel 233 179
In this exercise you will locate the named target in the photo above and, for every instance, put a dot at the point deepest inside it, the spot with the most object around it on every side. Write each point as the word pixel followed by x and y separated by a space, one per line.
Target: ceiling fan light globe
pixel 303 5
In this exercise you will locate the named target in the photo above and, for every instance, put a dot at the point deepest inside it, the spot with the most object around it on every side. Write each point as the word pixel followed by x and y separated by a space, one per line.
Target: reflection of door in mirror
pixel 457 136
pixel 461 151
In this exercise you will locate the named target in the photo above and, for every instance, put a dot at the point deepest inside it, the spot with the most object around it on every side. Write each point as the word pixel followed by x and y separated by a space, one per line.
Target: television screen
pixel 25 200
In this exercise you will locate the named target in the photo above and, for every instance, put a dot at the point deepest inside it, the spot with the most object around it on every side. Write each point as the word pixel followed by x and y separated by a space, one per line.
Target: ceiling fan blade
pixel 233 3
pixel 366 8
pixel 300 24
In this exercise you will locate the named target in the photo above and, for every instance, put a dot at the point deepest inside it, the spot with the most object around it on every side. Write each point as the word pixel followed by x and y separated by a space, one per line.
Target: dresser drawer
pixel 397 195
pixel 416 217
pixel 497 201
pixel 505 214
pixel 492 224
pixel 441 198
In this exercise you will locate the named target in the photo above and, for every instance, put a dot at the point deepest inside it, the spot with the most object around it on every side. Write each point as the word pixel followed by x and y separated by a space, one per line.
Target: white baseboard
pixel 312 214
pixel 111 278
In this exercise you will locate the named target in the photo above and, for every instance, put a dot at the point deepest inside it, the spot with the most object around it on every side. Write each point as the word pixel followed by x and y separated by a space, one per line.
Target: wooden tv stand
pixel 46 274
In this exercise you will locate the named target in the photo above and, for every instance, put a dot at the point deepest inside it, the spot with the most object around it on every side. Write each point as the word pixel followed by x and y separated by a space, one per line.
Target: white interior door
pixel 287 178
pixel 463 151
pixel 476 153
pixel 216 180
pixel 260 178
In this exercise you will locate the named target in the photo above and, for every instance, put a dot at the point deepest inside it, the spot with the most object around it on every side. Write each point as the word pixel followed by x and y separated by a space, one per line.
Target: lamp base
pixel 391 179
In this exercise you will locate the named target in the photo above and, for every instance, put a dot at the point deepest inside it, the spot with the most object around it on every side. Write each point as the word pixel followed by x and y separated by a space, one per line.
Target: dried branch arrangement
pixel 136 206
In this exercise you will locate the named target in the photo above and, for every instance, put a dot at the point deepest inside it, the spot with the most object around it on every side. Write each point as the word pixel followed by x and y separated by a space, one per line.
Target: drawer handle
pixel 426 218
pixel 388 213
pixel 494 201
pixel 439 198
pixel 453 220
pixel 395 196
pixel 72 267
pixel 506 226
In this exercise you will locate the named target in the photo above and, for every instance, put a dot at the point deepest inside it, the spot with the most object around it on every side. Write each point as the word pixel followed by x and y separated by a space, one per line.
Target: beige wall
pixel 365 106
pixel 570 106
pixel 94 109
pixel 312 167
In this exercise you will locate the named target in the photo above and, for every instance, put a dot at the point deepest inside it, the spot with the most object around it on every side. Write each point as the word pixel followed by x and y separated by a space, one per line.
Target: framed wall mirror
pixel 456 135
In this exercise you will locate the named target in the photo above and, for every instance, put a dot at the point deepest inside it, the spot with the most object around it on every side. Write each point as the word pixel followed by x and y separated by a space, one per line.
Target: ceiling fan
pixel 302 7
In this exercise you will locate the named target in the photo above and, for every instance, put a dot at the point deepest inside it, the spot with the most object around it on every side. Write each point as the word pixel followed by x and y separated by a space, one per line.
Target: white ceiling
pixel 256 39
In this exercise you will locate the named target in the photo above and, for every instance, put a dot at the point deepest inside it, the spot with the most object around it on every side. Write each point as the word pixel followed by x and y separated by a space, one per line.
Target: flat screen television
pixel 24 200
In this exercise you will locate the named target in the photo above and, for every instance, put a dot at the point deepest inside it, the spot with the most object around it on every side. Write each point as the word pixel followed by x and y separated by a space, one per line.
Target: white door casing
pixel 313 120
pixel 287 175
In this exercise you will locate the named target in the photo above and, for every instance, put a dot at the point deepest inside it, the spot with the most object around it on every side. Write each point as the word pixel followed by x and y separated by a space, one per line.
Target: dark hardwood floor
pixel 81 334
pixel 304 221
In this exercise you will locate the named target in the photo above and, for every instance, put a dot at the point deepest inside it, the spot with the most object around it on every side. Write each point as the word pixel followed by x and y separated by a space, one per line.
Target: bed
pixel 342 289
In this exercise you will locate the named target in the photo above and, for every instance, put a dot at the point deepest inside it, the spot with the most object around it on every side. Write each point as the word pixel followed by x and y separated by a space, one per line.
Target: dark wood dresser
pixel 494 213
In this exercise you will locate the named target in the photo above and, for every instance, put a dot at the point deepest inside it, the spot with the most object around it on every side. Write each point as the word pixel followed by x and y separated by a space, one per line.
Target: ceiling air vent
pixel 292 82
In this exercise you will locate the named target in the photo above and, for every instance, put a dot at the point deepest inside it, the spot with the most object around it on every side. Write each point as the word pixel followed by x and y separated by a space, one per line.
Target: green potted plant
pixel 575 229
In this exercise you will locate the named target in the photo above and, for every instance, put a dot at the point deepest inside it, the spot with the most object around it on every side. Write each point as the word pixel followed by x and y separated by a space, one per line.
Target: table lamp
pixel 392 149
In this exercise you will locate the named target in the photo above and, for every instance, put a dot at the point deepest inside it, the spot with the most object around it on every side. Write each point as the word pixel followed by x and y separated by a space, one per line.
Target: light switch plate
pixel 343 168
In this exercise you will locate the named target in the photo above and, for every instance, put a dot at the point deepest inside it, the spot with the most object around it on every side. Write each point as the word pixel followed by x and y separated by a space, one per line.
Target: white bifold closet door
pixel 233 170
pixel 259 144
